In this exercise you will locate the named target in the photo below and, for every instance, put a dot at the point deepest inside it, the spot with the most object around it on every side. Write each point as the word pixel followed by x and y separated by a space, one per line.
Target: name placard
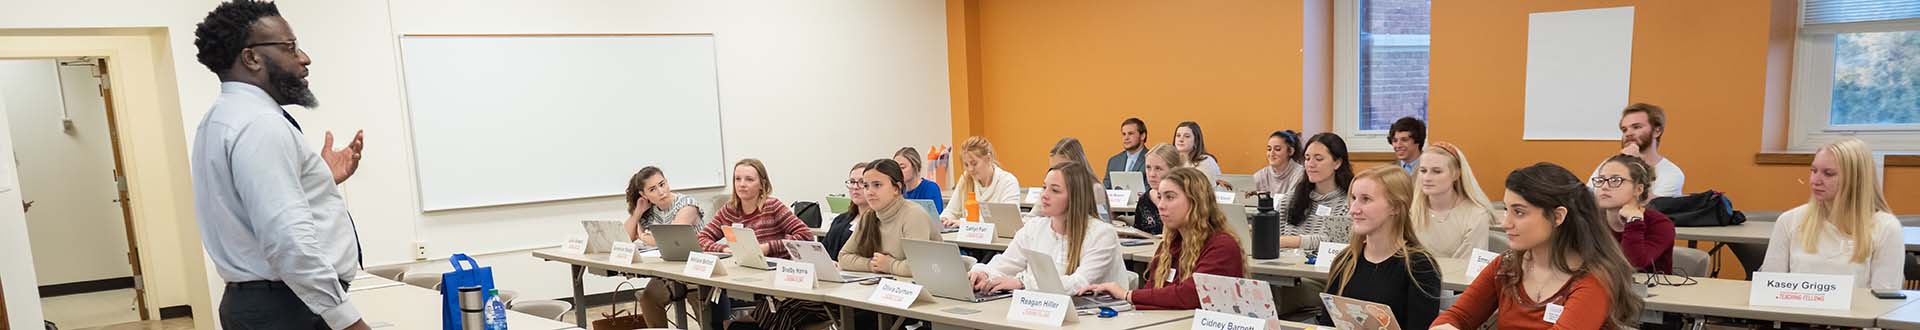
pixel 702 265
pixel 1119 197
pixel 793 275
pixel 1033 195
pixel 576 244
pixel 1328 252
pixel 1479 261
pixel 895 294
pixel 1210 320
pixel 975 232
pixel 1802 290
pixel 1039 308
pixel 622 253
pixel 1223 197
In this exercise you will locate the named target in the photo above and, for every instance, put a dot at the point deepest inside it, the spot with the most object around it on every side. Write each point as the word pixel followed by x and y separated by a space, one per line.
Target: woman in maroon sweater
pixel 753 207
pixel 1197 241
pixel 1645 235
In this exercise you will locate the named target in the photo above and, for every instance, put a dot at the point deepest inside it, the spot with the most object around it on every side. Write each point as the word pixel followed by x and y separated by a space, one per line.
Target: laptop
pixel 1241 225
pixel 1234 295
pixel 676 241
pixel 838 204
pixel 1047 279
pixel 934 215
pixel 937 266
pixel 747 245
pixel 826 269
pixel 1355 314
pixel 1005 217
pixel 1131 181
pixel 602 234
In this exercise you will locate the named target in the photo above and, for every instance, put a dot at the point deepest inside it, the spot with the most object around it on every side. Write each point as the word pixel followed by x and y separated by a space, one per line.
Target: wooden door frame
pixel 120 182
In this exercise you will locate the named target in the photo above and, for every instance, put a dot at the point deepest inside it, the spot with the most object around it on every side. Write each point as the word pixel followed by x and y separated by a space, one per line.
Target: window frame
pixel 1809 124
pixel 1346 81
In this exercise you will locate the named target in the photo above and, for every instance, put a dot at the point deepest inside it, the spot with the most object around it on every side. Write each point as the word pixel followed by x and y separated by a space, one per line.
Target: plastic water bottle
pixel 496 311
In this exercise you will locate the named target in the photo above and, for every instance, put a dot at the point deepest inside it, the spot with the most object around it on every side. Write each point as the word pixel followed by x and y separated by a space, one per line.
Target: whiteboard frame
pixel 419 195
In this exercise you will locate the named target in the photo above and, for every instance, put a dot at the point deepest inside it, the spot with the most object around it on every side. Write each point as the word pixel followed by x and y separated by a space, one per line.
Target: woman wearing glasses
pixel 1646 236
pixel 842 227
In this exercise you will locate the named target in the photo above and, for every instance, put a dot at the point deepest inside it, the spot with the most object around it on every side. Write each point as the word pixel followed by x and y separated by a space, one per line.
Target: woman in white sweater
pixel 983 182
pixel 1846 228
pixel 1083 248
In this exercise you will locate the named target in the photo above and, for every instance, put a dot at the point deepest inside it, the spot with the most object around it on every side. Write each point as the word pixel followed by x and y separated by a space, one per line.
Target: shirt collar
pixel 241 89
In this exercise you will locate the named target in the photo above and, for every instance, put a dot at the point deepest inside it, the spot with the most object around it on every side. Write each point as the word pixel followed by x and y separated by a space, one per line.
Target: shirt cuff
pixel 339 317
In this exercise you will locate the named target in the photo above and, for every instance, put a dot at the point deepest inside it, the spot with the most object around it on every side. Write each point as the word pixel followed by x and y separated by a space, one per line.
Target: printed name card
pixel 895 294
pixel 1210 320
pixel 1802 290
pixel 576 244
pixel 1328 251
pixel 793 275
pixel 1039 308
pixel 1033 195
pixel 1119 197
pixel 975 232
pixel 622 253
pixel 702 265
pixel 1223 197
pixel 1479 262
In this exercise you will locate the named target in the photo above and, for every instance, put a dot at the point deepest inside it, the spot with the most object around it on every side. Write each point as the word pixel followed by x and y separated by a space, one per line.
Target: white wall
pixel 807 87
pixel 22 294
pixel 75 226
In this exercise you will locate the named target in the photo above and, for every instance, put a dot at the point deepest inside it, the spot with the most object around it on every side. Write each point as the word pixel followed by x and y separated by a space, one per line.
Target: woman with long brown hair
pixel 875 244
pixel 1386 263
pixel 1563 262
pixel 1085 250
pixel 1197 241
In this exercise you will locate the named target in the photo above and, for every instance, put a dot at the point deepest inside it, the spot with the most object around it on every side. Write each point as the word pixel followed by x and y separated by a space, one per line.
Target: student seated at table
pixel 650 201
pixel 1317 209
pixel 1845 228
pixel 918 187
pixel 1283 170
pixel 1197 241
pixel 1450 213
pixel 875 245
pixel 1562 258
pixel 982 182
pixel 1161 159
pixel 1084 249
pixel 841 229
pixel 752 206
pixel 1193 145
pixel 1623 189
pixel 1068 150
pixel 1386 263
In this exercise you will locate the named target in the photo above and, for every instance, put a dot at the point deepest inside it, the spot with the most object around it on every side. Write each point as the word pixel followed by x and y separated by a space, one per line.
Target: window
pixel 1857 74
pixel 1380 58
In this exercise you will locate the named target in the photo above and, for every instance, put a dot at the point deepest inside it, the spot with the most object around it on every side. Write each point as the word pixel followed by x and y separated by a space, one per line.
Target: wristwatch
pixel 1636 218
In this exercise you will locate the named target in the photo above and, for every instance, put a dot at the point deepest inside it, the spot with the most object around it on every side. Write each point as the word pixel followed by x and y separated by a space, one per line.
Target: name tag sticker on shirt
pixel 576 244
pixel 975 232
pixel 1323 210
pixel 702 265
pixel 1211 320
pixel 1802 290
pixel 895 294
pixel 1033 195
pixel 1119 197
pixel 1553 313
pixel 1479 262
pixel 1328 251
pixel 793 275
pixel 622 253
pixel 1039 308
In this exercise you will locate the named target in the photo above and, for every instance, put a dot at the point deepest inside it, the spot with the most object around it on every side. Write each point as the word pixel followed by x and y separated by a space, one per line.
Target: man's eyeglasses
pixel 1608 182
pixel 291 46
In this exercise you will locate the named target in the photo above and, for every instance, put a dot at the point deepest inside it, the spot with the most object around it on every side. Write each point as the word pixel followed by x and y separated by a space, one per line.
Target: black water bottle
pixel 1266 230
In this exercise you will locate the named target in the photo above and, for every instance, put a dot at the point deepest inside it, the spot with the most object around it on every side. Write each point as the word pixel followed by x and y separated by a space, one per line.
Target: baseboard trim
pixel 108 284
pixel 178 311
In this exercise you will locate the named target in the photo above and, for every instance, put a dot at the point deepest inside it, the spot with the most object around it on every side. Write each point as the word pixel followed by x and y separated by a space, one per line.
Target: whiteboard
pixel 502 120
pixel 1578 66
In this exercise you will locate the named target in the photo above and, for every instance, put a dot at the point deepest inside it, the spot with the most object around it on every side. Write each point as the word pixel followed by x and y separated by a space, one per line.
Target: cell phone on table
pixel 1889 294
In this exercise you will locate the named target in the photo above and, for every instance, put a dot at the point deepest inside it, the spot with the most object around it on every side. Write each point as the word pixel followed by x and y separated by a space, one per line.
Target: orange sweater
pixel 1584 300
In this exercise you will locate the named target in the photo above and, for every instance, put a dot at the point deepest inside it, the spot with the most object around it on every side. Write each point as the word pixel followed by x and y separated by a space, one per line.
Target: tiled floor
pixel 95 309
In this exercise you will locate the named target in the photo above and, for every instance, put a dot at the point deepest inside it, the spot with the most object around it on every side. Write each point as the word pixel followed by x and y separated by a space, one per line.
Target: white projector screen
pixel 518 119
pixel 1579 64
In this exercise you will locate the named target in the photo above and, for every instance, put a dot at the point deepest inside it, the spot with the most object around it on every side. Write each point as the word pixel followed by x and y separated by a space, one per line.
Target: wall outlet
pixel 419 250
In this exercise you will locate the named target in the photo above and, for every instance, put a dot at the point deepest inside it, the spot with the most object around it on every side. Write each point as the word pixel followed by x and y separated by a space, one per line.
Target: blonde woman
pixel 1064 229
pixel 1197 241
pixel 1845 228
pixel 1161 159
pixel 1450 213
pixel 983 182
pixel 1069 150
pixel 1386 263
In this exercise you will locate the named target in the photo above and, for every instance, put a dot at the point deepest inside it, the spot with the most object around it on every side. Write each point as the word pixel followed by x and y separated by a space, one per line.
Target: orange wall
pixel 1075 68
pixel 1052 69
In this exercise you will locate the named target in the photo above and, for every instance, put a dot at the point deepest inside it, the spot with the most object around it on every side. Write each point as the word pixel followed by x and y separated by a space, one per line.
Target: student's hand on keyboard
pixel 949 222
pixel 981 281
pixel 1007 284
pixel 1110 289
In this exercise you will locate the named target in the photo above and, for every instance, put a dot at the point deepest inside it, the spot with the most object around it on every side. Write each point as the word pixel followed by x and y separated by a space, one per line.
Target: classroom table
pixel 986 315
pixel 409 307
pixel 369 282
pixel 1728 298
pixel 1759 232
pixel 1907 317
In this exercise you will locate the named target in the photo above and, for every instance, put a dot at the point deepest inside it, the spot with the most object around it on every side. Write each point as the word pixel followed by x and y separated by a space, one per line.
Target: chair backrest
pixel 427 280
pixel 391 272
pixel 552 309
pixel 1691 262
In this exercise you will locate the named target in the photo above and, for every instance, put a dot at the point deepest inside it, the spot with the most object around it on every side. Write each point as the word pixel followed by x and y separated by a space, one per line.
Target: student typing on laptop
pixel 751 206
pixel 1197 241
pixel 983 182
pixel 888 218
pixel 1083 248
